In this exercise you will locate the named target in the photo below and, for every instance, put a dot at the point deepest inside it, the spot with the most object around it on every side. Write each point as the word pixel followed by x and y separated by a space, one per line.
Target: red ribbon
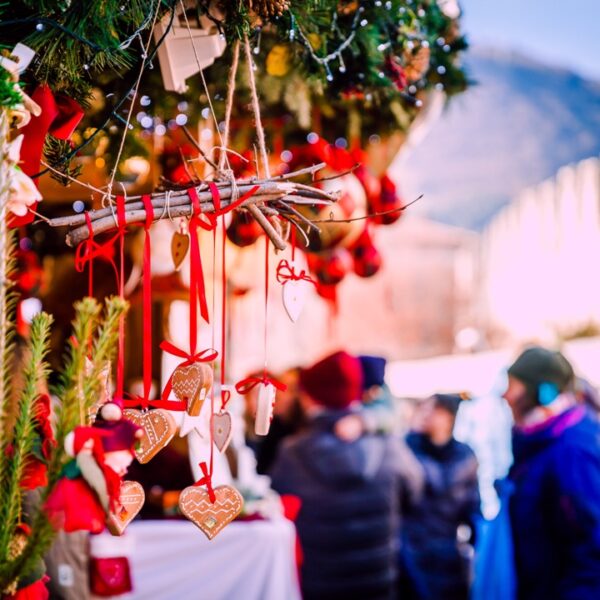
pixel 197 290
pixel 249 383
pixel 144 400
pixel 213 217
pixel 89 249
pixel 285 272
pixel 121 224
pixel 60 116
pixel 207 481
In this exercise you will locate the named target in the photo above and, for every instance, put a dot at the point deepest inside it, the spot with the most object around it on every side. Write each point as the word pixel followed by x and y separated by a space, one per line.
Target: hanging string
pixel 225 394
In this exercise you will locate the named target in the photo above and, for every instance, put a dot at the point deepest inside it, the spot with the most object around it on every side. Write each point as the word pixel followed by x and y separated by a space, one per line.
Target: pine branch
pixel 35 373
pixel 74 386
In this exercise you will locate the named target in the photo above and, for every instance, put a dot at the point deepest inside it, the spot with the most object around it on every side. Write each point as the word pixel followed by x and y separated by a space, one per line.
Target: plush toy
pixel 90 484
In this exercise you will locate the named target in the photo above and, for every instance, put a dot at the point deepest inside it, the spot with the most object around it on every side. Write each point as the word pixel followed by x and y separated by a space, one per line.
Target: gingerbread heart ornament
pixel 180 244
pixel 211 518
pixel 131 500
pixel 159 428
pixel 221 429
pixel 191 384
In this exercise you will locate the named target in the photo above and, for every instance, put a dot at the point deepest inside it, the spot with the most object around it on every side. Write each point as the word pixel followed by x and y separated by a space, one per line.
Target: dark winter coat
pixel 350 494
pixel 432 564
pixel 555 509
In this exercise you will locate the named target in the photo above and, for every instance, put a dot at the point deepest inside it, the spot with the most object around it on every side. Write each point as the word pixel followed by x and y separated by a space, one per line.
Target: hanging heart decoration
pixel 264 408
pixel 191 384
pixel 211 517
pixel 294 298
pixel 180 244
pixel 221 430
pixel 131 500
pixel 294 283
pixel 159 428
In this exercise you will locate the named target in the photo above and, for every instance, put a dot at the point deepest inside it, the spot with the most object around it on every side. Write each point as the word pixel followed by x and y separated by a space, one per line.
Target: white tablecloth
pixel 173 559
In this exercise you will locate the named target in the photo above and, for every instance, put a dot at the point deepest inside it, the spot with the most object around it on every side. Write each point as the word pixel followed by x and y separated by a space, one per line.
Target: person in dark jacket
pixel 555 508
pixel 349 491
pixel 435 551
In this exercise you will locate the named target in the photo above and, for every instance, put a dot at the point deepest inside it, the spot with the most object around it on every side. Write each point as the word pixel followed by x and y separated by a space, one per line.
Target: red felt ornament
pixel 388 200
pixel 367 260
pixel 329 268
pixel 243 230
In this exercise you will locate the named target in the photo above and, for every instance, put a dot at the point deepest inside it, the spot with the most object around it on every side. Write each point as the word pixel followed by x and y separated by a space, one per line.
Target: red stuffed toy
pixel 89 488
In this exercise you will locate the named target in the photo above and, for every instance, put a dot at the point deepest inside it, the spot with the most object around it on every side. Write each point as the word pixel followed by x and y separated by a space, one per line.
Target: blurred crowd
pixel 390 503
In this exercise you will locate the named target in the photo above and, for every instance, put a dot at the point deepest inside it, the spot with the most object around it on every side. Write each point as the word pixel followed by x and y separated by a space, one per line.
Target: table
pixel 173 559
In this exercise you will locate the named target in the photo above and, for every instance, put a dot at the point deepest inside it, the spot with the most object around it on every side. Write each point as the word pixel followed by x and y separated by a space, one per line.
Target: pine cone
pixel 267 9
pixel 417 63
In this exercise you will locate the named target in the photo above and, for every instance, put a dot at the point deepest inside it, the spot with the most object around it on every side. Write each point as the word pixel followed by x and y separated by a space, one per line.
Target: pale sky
pixel 560 32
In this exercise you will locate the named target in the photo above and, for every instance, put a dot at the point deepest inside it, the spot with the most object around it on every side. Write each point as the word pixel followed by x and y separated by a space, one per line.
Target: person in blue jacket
pixel 437 530
pixel 555 508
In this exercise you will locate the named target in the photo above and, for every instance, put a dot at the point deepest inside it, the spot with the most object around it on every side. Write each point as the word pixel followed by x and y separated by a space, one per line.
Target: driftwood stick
pixel 273 235
pixel 160 202
pixel 300 216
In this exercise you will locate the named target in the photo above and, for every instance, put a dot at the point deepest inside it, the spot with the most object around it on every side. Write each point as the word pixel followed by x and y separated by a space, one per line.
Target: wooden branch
pixel 176 203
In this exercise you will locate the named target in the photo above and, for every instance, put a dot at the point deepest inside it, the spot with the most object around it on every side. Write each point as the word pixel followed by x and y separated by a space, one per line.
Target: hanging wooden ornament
pixel 159 428
pixel 211 517
pixel 191 384
pixel 180 244
pixel 264 408
pixel 131 500
pixel 222 430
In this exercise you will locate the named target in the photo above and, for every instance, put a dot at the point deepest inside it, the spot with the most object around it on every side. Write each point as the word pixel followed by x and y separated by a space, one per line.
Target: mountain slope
pixel 514 128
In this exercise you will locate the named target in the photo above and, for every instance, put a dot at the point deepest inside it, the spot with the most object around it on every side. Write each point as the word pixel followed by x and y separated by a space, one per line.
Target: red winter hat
pixel 334 382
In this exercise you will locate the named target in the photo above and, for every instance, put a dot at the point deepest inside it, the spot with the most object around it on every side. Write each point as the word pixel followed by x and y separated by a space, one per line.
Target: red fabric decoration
pixel 60 116
pixel 110 576
pixel 35 591
pixel 74 506
pixel 334 382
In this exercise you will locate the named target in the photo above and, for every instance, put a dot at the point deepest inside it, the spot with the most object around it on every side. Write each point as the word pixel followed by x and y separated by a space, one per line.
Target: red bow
pixel 60 116
pixel 218 211
pixel 286 272
pixel 249 383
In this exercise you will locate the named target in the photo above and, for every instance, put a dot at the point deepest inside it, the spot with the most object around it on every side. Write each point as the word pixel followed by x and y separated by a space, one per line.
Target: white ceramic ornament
pixel 294 294
pixel 264 408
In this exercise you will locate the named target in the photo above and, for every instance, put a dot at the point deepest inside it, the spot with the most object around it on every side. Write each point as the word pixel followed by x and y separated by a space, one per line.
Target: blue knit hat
pixel 373 368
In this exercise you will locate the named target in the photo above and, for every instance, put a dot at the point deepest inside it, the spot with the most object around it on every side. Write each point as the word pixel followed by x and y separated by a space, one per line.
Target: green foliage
pixel 77 390
pixel 10 93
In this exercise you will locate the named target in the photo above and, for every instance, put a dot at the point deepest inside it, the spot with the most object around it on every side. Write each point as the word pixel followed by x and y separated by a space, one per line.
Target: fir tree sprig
pixel 35 372
pixel 75 388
